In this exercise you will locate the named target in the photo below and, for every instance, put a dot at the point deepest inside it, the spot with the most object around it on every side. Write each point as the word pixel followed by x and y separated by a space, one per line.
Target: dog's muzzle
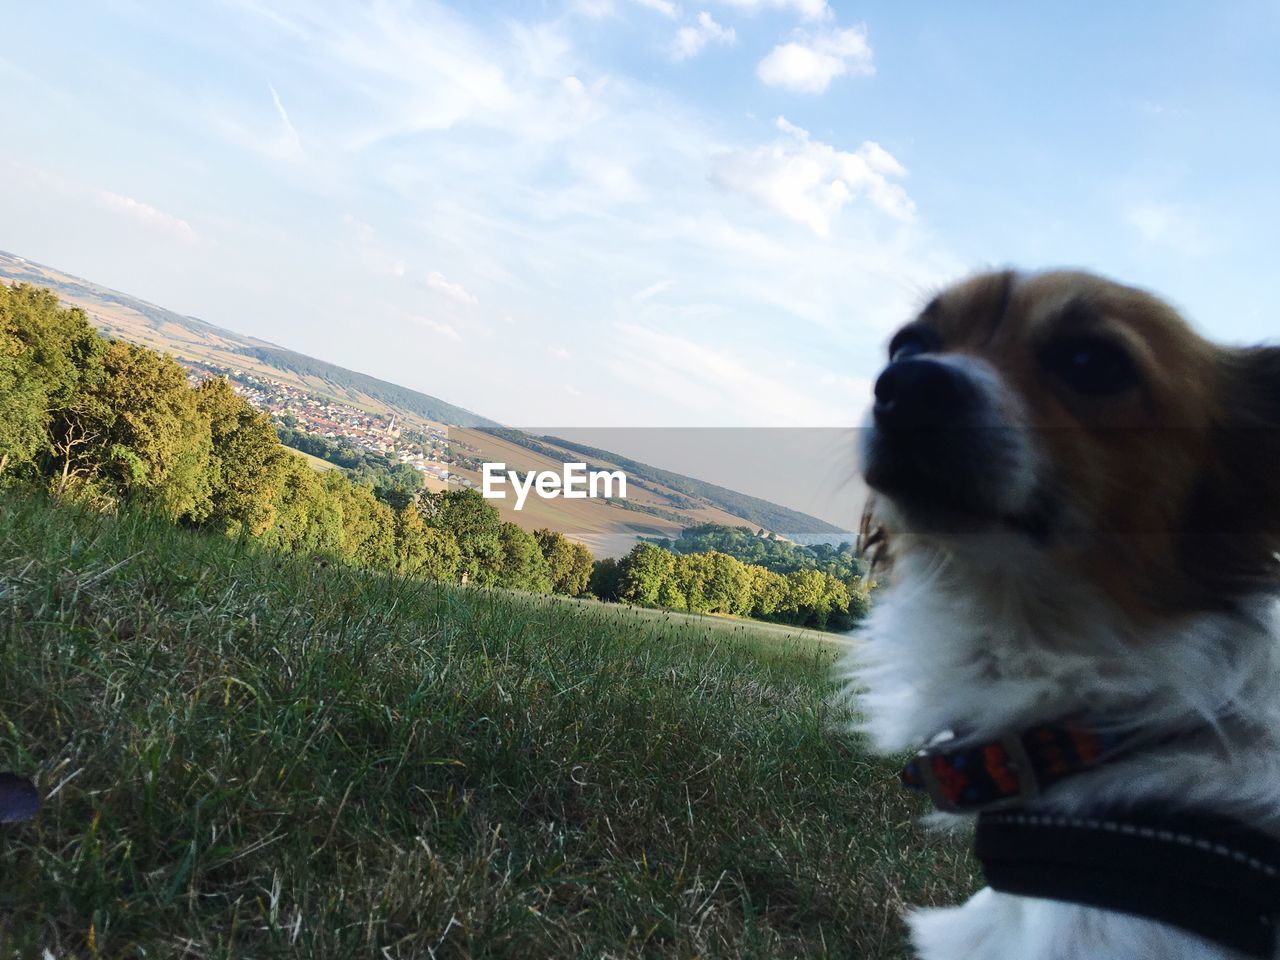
pixel 939 443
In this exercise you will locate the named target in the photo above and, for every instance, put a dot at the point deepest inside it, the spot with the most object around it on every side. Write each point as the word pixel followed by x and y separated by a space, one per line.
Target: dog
pixel 1080 627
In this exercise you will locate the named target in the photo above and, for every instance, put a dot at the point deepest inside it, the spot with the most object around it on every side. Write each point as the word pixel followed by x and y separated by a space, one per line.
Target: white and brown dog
pixel 1081 619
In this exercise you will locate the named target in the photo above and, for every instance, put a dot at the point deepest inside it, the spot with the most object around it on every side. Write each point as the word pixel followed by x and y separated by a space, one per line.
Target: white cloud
pixel 418 68
pixel 599 9
pixel 246 127
pixel 712 380
pixel 525 189
pixel 369 251
pixel 21 75
pixel 691 41
pixel 665 7
pixel 654 289
pixel 404 70
pixel 594 9
pixel 363 232
pixel 608 176
pixel 289 143
pixel 560 353
pixel 435 326
pixel 438 281
pixel 810 63
pixel 148 215
pixel 859 390
pixel 810 181
pixel 807 9
pixel 1168 225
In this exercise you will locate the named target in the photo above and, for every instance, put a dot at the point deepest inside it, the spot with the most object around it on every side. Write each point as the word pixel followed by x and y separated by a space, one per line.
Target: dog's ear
pixel 1254 376
pixel 1251 388
pixel 1233 531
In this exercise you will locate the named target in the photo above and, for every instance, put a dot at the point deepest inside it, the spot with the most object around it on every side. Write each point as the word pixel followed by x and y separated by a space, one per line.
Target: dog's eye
pixel 910 341
pixel 1090 365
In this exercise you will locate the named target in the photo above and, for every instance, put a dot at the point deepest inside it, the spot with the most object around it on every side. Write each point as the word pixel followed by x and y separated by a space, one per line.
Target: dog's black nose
pixel 919 392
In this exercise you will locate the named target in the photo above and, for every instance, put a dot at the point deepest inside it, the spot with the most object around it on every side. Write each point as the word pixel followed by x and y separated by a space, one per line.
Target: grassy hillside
pixel 245 755
pixel 130 318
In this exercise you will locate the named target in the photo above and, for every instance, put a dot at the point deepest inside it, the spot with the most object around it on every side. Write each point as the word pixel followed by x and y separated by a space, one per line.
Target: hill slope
pixel 663 501
pixel 191 338
pixel 249 756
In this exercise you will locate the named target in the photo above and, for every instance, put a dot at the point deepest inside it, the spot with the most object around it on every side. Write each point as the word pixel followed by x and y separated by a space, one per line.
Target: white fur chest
pixel 988 655
pixel 995 926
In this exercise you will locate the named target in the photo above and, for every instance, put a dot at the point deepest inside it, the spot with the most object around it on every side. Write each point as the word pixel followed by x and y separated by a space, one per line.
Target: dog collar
pixel 962 776
pixel 1208 875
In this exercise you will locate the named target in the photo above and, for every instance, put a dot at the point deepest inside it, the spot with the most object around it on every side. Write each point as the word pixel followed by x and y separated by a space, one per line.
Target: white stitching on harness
pixel 1165 836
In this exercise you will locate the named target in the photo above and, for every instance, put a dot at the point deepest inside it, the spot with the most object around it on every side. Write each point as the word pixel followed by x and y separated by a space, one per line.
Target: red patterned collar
pixel 966 776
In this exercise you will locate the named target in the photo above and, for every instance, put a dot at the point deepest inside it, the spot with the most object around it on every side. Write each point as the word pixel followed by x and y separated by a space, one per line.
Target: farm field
pixel 605 528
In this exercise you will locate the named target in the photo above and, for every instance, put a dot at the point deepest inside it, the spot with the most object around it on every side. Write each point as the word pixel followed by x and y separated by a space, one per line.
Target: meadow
pixel 248 755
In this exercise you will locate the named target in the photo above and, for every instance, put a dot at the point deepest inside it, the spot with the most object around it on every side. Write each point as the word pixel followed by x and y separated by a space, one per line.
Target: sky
pixel 621 213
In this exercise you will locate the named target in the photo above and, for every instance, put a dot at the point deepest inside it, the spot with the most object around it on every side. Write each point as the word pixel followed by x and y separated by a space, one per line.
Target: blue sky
pixel 636 212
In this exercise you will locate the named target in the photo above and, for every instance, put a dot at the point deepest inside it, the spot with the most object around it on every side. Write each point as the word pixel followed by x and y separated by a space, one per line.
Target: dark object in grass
pixel 19 798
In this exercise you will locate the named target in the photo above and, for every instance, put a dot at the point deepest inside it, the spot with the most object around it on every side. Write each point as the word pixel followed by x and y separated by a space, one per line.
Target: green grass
pixel 760 633
pixel 245 755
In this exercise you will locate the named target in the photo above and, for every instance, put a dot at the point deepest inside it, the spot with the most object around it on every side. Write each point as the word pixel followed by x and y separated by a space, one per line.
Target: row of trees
pixel 108 422
pixel 718 583
pixel 770 552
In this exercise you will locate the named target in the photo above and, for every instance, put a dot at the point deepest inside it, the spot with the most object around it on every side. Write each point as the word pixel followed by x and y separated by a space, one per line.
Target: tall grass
pixel 246 755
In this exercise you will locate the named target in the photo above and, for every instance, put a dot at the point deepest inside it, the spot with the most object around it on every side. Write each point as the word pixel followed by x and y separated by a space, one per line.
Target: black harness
pixel 1208 875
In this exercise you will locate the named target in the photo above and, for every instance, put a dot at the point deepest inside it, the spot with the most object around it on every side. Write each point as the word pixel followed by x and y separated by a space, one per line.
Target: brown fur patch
pixel 1171 489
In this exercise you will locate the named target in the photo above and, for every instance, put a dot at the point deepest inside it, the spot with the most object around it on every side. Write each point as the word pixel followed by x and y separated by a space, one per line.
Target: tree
pixel 558 553
pixel 768 592
pixel 765 550
pixel 523 566
pixel 859 591
pixel 815 599
pixel 693 573
pixel 671 594
pixel 151 441
pixel 307 518
pixel 245 468
pixel 368 524
pixel 381 474
pixel 729 588
pixel 644 570
pixel 606 579
pixel 409 536
pixel 47 353
pixel 24 401
pixel 24 414
pixel 804 593
pixel 575 584
pixel 568 563
pixel 441 557
pixel 475 525
pixel 833 609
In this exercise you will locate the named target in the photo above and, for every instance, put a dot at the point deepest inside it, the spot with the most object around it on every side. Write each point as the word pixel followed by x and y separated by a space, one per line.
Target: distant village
pixel 430 451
